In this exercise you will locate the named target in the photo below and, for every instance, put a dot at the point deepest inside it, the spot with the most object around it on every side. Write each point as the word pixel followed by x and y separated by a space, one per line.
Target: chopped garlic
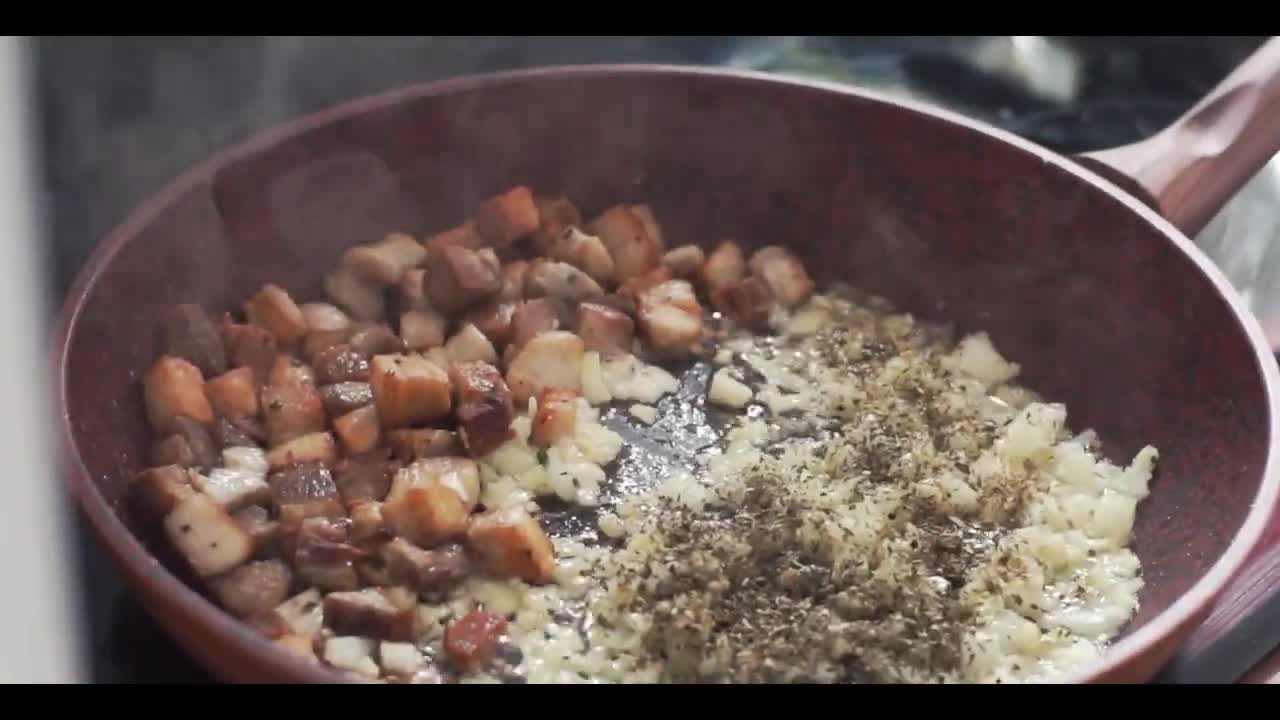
pixel 726 390
pixel 646 414
pixel 594 388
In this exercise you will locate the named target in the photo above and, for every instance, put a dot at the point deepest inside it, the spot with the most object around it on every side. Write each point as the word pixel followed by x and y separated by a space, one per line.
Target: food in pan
pixel 542 447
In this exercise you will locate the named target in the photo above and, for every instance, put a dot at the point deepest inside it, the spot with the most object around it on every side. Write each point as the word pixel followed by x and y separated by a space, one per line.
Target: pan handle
pixel 1189 170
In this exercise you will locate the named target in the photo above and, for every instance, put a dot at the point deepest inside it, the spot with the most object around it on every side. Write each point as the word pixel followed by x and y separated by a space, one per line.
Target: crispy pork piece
pixel 386 261
pixel 511 544
pixel 556 215
pixel 367 522
pixel 670 316
pixel 471 642
pixel 409 390
pixel 156 491
pixel 725 266
pixel 748 302
pixel 550 278
pixel 371 339
pixel 233 488
pixel 190 446
pixel 783 273
pixel 556 418
pixel 174 388
pixel 253 589
pixel 464 235
pixel 506 217
pixel 273 309
pixel 427 571
pixel 233 393
pixel 370 613
pixel 207 537
pixel 358 430
pixel 173 450
pixel 425 507
pixel 327 325
pixel 252 347
pixel 458 278
pixel 189 333
pixel 302 614
pixel 292 410
pixel 411 291
pixel 289 370
pixel 362 299
pixel 409 445
pixel 513 274
pixel 313 447
pixel 365 477
pixel 493 319
pixel 484 406
pixel 459 474
pixel 685 261
pixel 341 363
pixel 322 557
pixel 550 360
pixel 470 344
pixel 587 253
pixel 632 288
pixel 239 432
pixel 633 242
pixel 344 397
pixel 309 485
pixel 532 318
pixel 422 329
pixel 604 329
pixel 256 521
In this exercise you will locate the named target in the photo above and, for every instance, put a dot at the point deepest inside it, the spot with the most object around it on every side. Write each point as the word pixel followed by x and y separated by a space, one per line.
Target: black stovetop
pixel 122 116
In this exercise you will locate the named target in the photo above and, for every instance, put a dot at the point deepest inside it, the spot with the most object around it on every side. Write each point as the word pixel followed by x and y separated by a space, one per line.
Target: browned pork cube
pixel 344 397
pixel 783 273
pixel 685 261
pixel 313 447
pixel 367 522
pixel 409 390
pixel 156 491
pixel 358 430
pixel 365 477
pixel 463 235
pixel 360 297
pixel 323 558
pixel 370 613
pixel 190 446
pixel 422 329
pixel 341 363
pixel 588 253
pixel 502 219
pixel 425 511
pixel 289 370
pixel 470 344
pixel 428 571
pixel 385 261
pixel 556 419
pixel 252 347
pixel 233 393
pixel 309 486
pixel 459 277
pixel 748 302
pixel 189 333
pixel 291 411
pixel 272 308
pixel 532 318
pixel 511 544
pixel 725 266
pixel 556 214
pixel 471 642
pixel 670 316
pixel 253 589
pixel 256 520
pixel 375 339
pixel 548 278
pixel 604 329
pixel 174 388
pixel 203 532
pixel 513 274
pixel 239 432
pixel 409 445
pixel 631 289
pixel 493 319
pixel 460 474
pixel 632 241
pixel 550 360
pixel 484 406
pixel 411 291
pixel 327 325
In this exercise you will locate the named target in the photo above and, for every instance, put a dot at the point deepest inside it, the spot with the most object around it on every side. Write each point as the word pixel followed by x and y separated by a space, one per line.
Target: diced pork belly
pixel 513 274
pixel 670 316
pixel 233 488
pixel 463 235
pixel 556 418
pixel 471 642
pixel 427 571
pixel 370 613
pixel 367 522
pixel 256 521
pixel 189 333
pixel 458 277
pixel 587 253
pixel 341 363
pixel 550 278
pixel 630 240
pixel 252 347
pixel 411 291
pixel 493 319
pixel 253 589
pixel 156 491
pixel 344 397
pixel 503 218
pixel 556 214
pixel 550 360
pixel 272 308
pixel 308 485
pixel 190 445
pixel 685 261
pixel 313 447
pixel 203 532
pixel 327 325
pixel 511 544
pixel 725 266
pixel 289 370
pixel 409 390
pixel 358 430
pixel 531 318
pixel 322 556
pixel 409 445
pixel 302 614
pixel 748 302
pixel 422 329
pixel 604 329
pixel 233 393
pixel 174 388
pixel 292 410
pixel 353 654
pixel 460 474
pixel 365 477
pixel 484 406
pixel 239 432
pixel 385 261
pixel 362 299
pixel 632 288
pixel 371 339
pixel 783 273
pixel 469 344
pixel 423 509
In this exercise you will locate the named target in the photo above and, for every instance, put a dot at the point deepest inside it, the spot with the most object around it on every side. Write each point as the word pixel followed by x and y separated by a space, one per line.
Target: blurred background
pixel 119 117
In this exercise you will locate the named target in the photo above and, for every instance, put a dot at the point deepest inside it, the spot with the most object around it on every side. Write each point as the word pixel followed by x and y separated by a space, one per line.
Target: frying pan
pixel 1099 296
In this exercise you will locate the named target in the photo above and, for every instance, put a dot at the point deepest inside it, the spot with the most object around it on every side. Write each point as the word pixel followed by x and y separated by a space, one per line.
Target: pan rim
pixel 138 560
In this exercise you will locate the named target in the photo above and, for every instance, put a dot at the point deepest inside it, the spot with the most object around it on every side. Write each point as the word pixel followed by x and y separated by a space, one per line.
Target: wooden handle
pixel 1189 170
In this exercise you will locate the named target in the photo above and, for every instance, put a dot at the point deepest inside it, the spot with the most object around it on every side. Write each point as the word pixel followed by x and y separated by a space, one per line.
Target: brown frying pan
pixel 1106 304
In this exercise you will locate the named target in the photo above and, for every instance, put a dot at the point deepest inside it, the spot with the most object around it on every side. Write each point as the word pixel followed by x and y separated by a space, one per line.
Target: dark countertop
pixel 121 116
